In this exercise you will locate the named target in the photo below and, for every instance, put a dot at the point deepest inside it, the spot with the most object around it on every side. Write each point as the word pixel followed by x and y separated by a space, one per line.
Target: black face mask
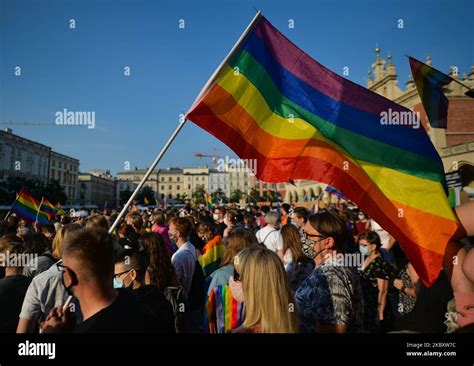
pixel 68 288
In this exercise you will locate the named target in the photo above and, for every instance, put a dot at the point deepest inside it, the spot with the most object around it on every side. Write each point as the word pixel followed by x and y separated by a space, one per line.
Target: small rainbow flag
pixel 429 83
pixel 272 103
pixel 26 205
pixel 48 208
pixel 212 255
pixel 208 199
pixel 224 313
pixel 335 192
pixel 59 210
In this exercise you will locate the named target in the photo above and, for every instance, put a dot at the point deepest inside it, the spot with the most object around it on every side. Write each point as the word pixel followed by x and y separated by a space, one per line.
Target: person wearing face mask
pixel 330 298
pixel 218 216
pixel 213 250
pixel 185 258
pixel 375 275
pixel 260 283
pixel 362 224
pixel 299 217
pixel 230 221
pixel 130 270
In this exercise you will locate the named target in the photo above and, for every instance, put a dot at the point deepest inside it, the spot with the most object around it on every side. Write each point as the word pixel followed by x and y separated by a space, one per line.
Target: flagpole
pixel 453 79
pixel 469 92
pixel 39 208
pixel 148 173
pixel 211 80
pixel 10 210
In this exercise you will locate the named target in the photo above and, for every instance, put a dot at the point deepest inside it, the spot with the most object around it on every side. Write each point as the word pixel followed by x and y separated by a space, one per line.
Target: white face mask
pixel 215 217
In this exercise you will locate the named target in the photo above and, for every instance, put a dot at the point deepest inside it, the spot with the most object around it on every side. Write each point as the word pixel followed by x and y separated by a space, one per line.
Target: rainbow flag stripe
pixel 429 83
pixel 59 210
pixel 212 255
pixel 26 205
pixel 224 313
pixel 335 192
pixel 299 120
pixel 48 209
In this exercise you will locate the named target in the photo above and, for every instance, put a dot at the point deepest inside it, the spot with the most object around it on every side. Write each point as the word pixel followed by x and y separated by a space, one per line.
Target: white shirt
pixel 184 262
pixel 271 237
pixel 384 236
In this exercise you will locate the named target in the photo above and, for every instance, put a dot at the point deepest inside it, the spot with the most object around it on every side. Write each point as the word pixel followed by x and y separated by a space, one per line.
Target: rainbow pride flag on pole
pixel 335 192
pixel 48 208
pixel 26 205
pixel 59 210
pixel 208 200
pixel 272 102
pixel 429 83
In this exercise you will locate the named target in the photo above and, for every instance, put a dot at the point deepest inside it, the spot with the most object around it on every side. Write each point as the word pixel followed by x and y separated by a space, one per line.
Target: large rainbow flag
pixel 272 102
pixel 429 84
pixel 212 255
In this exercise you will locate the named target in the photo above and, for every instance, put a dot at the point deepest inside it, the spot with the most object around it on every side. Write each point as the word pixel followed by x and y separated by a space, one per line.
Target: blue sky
pixel 82 68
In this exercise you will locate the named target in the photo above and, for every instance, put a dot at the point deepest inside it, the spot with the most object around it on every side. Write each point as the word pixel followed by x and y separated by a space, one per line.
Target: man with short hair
pixel 87 273
pixel 218 216
pixel 130 269
pixel 184 259
pixel 300 217
pixel 14 285
pixel 270 236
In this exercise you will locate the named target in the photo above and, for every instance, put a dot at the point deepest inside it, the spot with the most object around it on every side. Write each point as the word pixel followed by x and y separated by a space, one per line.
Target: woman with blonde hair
pixel 237 240
pixel 260 282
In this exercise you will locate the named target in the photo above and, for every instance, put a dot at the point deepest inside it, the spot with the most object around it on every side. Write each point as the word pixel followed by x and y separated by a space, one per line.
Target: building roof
pixel 64 156
pixel 8 132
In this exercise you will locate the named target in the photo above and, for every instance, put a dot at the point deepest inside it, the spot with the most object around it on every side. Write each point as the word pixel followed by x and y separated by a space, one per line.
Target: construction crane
pixel 214 157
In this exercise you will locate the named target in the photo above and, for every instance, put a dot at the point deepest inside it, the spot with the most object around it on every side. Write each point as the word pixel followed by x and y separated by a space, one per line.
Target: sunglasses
pixel 236 275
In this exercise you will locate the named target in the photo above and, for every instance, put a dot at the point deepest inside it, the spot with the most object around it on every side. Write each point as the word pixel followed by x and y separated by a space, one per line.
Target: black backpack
pixel 197 293
pixel 176 297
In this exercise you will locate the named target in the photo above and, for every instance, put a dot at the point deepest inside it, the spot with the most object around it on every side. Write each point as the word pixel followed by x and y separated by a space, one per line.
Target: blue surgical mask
pixel 364 250
pixel 118 283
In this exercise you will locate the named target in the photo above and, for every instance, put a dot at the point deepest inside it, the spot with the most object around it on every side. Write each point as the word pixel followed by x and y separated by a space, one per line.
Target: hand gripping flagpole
pixel 203 92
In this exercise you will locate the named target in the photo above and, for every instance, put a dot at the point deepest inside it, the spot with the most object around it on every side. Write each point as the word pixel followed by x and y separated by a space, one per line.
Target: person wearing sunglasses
pixel 329 299
pixel 130 272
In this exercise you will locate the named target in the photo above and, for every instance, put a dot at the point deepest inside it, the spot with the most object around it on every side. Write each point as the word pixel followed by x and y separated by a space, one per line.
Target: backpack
pixel 197 293
pixel 176 297
pixel 263 241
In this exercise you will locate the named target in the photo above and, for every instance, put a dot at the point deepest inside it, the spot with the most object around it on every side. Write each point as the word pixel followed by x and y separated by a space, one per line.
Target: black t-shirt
pixel 12 293
pixel 124 315
pixel 158 310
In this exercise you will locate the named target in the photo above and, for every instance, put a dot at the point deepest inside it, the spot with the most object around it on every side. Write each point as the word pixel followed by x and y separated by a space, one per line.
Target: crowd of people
pixel 227 269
